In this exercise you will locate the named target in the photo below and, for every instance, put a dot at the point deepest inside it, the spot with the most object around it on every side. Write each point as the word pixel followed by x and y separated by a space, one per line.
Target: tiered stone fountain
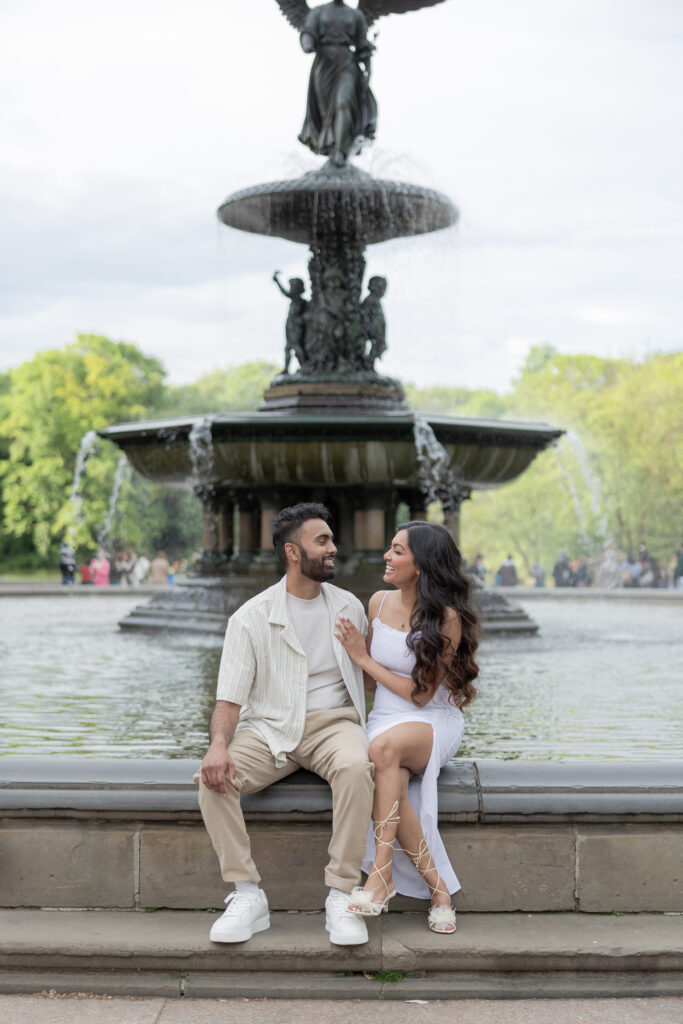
pixel 335 430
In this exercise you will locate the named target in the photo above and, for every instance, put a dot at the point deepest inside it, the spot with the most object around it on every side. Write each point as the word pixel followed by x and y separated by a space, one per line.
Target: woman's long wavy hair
pixel 441 584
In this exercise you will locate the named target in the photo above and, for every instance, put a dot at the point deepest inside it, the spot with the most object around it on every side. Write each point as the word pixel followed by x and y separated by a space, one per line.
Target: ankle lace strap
pixel 392 818
pixel 417 858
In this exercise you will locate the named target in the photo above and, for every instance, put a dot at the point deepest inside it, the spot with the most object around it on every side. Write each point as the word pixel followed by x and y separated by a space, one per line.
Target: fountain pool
pixel 602 681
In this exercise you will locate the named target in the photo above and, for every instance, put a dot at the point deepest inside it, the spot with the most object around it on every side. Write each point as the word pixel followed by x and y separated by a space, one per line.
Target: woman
pixel 420 651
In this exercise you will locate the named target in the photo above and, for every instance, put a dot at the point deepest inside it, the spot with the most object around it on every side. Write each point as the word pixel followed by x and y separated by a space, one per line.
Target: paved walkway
pixel 50 1009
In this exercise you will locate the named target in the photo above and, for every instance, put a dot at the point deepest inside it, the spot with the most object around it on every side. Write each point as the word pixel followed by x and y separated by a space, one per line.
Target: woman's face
pixel 400 564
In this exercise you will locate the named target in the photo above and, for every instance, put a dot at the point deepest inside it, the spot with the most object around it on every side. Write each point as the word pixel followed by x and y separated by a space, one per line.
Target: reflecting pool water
pixel 602 680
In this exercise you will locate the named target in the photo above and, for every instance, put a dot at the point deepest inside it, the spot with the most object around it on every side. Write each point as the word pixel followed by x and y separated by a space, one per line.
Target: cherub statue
pixel 373 320
pixel 295 328
pixel 341 108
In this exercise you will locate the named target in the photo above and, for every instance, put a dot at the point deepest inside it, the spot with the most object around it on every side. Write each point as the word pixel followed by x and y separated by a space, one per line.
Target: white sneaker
pixel 246 914
pixel 345 928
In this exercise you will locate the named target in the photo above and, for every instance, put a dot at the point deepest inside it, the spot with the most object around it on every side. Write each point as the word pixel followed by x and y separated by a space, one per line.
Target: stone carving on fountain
pixel 331 428
pixel 338 334
pixel 341 110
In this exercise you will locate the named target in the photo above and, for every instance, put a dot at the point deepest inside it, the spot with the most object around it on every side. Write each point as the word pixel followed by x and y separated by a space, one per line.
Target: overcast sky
pixel 555 126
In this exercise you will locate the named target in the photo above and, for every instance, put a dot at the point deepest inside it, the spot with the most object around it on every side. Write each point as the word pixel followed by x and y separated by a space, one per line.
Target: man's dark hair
pixel 289 521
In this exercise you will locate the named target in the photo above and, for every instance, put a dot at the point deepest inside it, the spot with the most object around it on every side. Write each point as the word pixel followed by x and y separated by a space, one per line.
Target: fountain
pixel 334 430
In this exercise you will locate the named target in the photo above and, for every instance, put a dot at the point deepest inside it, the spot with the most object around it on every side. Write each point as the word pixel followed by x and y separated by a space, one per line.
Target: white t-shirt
pixel 311 621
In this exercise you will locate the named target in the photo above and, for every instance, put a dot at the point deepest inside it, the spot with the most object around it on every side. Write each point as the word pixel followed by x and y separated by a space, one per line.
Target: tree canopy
pixel 615 477
pixel 51 402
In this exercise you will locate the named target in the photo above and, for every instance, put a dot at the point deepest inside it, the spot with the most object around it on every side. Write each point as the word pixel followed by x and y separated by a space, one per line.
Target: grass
pixel 392 977
pixel 31 576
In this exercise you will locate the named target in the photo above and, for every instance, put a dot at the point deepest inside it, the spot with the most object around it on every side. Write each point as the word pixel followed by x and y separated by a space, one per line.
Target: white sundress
pixel 390 649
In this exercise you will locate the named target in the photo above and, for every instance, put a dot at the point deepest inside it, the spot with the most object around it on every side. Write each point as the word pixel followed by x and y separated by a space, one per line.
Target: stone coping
pixel 485 791
pixel 47 589
pixel 79 590
pixel 592 593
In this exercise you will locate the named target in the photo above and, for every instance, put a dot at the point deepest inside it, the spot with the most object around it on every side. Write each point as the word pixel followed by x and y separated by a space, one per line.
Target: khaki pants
pixel 333 746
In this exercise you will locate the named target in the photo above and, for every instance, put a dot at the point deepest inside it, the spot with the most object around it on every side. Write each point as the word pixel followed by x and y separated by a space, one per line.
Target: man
pixel 562 571
pixel 289 697
pixel 508 573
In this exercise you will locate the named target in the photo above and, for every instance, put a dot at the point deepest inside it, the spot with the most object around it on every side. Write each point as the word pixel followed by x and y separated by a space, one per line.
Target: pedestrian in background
pixel 508 573
pixel 100 568
pixel 67 564
pixel 160 568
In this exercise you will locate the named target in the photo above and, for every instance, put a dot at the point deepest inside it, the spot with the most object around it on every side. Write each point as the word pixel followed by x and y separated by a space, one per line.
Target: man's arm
pixel 217 762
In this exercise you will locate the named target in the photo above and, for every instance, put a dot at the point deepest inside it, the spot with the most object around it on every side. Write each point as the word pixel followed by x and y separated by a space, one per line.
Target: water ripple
pixel 601 681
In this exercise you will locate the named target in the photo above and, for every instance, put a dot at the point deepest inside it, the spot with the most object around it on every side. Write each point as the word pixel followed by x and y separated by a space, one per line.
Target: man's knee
pixel 356 772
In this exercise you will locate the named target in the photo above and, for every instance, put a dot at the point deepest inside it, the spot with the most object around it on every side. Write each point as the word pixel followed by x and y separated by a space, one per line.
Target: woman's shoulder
pixel 375 602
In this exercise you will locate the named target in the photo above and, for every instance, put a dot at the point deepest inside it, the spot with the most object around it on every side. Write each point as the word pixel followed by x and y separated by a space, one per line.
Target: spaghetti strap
pixel 379 610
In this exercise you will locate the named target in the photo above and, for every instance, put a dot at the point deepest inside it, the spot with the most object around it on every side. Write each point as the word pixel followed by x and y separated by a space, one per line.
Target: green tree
pixel 234 388
pixel 617 475
pixel 52 401
pixel 479 403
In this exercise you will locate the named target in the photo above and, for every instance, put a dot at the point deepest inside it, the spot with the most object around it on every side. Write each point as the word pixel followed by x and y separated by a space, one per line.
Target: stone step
pixel 491 955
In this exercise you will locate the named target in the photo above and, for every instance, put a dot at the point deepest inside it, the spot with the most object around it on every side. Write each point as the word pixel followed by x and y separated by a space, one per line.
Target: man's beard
pixel 315 568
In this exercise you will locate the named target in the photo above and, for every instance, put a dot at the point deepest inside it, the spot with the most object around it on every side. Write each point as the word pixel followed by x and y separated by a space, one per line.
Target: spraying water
pixel 561 456
pixel 201 452
pixel 592 482
pixel 85 450
pixel 119 475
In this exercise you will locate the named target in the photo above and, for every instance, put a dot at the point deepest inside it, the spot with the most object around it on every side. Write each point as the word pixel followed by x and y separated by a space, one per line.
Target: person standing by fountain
pixel 420 652
pixel 289 697
pixel 99 568
pixel 67 564
pixel 160 568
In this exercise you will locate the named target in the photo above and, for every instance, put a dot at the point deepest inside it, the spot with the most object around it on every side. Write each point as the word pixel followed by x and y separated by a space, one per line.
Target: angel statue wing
pixel 374 9
pixel 295 12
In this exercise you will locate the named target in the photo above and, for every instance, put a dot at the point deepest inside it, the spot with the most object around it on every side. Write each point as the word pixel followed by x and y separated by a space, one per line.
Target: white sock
pixel 333 891
pixel 249 887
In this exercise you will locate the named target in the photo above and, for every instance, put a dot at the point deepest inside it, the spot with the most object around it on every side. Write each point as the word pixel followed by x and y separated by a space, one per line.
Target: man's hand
pixel 217 761
pixel 216 765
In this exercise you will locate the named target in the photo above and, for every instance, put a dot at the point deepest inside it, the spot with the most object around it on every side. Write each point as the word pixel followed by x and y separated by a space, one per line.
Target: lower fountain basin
pixel 275 448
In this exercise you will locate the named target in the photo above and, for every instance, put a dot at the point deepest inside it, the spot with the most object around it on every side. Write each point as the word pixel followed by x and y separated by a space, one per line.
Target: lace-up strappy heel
pixel 440 918
pixel 362 901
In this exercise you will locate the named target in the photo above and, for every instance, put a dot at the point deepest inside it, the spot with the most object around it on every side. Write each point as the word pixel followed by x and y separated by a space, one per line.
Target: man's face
pixel 316 550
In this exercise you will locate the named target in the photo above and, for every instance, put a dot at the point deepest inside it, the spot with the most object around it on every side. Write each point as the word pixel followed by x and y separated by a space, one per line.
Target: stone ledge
pixel 179 941
pixel 592 593
pixel 487 791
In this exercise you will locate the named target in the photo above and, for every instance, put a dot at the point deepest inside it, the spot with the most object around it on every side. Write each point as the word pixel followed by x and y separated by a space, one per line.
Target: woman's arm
pixel 352 640
pixel 369 684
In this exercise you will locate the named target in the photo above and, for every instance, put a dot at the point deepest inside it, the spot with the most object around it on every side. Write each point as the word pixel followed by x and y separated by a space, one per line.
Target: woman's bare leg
pixel 412 841
pixel 397 753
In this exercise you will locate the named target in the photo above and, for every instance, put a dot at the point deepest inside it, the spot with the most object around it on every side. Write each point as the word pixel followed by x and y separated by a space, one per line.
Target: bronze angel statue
pixel 341 110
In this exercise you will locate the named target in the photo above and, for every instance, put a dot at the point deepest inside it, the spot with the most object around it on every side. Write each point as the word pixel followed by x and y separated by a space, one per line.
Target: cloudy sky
pixel 554 125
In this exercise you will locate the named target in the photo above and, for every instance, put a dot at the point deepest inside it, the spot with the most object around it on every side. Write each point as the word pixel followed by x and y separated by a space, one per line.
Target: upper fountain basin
pixel 276 448
pixel 338 203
